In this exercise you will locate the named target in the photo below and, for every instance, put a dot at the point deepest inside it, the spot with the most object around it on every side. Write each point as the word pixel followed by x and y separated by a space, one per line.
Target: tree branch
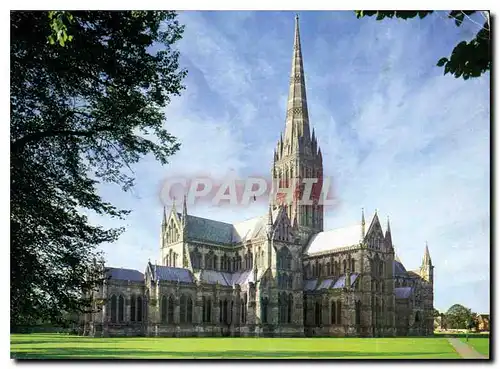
pixel 20 143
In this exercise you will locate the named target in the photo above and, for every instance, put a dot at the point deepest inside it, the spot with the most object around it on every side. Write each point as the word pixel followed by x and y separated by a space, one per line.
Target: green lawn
pixel 53 346
pixel 480 344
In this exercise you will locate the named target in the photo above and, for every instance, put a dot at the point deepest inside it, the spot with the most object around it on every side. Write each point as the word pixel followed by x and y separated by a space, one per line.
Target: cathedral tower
pixel 427 269
pixel 297 155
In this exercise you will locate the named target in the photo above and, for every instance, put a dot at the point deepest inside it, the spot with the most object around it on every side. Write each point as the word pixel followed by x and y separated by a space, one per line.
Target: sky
pixel 396 134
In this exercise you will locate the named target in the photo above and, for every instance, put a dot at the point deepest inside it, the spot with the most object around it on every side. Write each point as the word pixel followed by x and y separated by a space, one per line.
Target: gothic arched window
pixel 328 269
pixel 209 260
pixel 284 259
pixel 345 266
pixel 317 313
pixel 189 310
pixel 207 310
pixel 113 309
pixel 170 309
pixel 263 308
pixel 164 308
pixel 183 309
pixel 203 309
pixel 132 308
pixel 121 309
pixel 290 307
pixel 339 312
pixel 139 308
pixel 358 312
pixel 242 312
pixel 226 320
pixel 333 319
pixel 280 308
pixel 353 263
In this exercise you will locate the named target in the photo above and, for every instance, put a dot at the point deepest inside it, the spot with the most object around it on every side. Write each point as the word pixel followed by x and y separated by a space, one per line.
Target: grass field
pixel 53 346
pixel 480 344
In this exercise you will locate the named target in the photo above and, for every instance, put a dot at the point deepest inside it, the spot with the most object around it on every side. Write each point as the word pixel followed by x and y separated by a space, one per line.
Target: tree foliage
pixel 83 109
pixel 469 58
pixel 458 317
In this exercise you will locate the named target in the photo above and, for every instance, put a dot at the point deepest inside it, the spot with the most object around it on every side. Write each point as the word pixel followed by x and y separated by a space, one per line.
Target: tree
pixel 436 313
pixel 82 112
pixel 469 58
pixel 458 316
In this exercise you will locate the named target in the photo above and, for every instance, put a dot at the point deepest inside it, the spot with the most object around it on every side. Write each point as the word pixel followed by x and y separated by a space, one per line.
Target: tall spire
pixel 184 211
pixel 164 222
pixel 363 223
pixel 427 256
pixel 388 236
pixel 173 205
pixel 297 116
pixel 269 227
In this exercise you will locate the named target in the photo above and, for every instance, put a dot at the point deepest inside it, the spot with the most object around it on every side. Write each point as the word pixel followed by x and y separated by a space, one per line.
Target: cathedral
pixel 277 275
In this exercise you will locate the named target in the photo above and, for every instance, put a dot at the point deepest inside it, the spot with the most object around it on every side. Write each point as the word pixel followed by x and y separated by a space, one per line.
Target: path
pixel 464 350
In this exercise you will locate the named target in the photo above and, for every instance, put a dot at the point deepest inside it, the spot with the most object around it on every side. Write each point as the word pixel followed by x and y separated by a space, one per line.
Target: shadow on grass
pixel 39 342
pixel 113 353
pixel 463 335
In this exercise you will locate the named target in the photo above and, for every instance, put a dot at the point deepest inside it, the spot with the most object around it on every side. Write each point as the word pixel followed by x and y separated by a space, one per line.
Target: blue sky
pixel 396 134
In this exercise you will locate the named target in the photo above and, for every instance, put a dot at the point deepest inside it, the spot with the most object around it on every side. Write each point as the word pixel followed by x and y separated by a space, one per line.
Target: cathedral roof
pixel 329 283
pixel 399 269
pixel 209 230
pixel 165 273
pixel 124 274
pixel 403 292
pixel 413 274
pixel 253 227
pixel 335 238
pixel 340 237
pixel 214 231
pixel 226 279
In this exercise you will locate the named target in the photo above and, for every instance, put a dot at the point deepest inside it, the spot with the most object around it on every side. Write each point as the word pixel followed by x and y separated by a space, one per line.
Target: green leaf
pixel 441 62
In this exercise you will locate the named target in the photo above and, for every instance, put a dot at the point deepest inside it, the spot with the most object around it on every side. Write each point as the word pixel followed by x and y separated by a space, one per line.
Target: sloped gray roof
pixel 329 283
pixel 325 284
pixel 225 279
pixel 204 229
pixel 413 274
pixel 399 269
pixel 209 230
pixel 213 277
pixel 242 278
pixel 124 274
pixel 341 282
pixel 164 273
pixel 310 285
pixel 403 292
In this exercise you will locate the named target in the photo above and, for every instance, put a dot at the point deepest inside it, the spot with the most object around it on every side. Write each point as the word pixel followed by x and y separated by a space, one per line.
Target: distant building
pixel 279 274
pixel 483 322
